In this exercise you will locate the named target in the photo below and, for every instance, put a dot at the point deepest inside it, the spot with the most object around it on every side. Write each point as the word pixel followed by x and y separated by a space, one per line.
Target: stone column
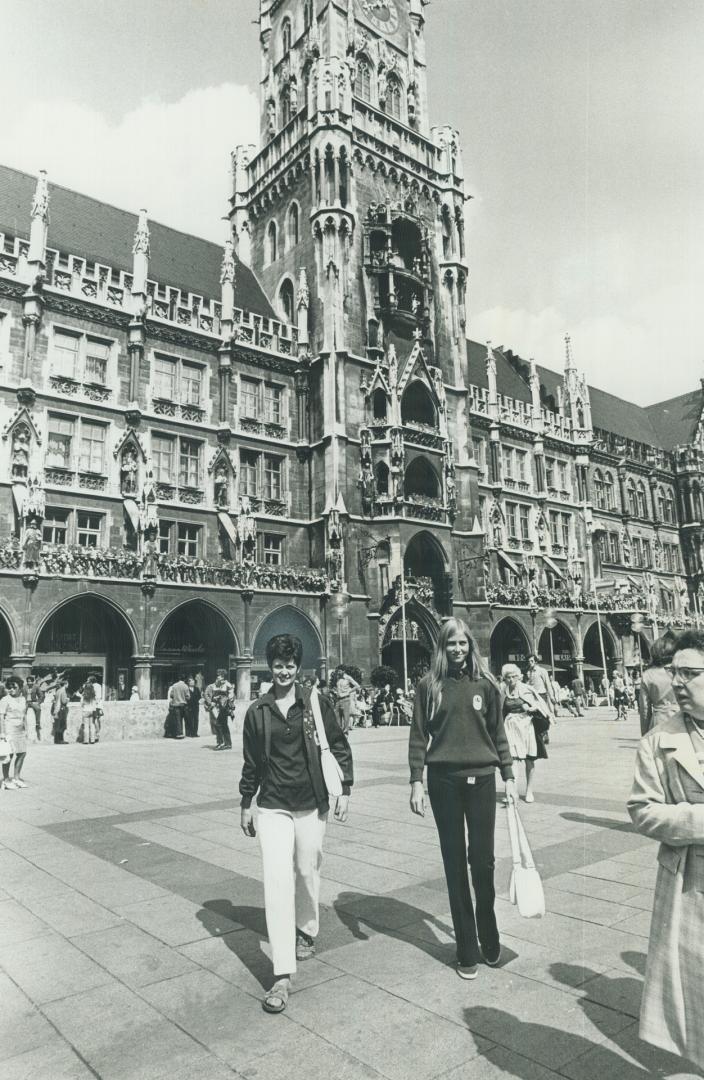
pixel 323 660
pixel 625 508
pixel 22 664
pixel 135 349
pixel 247 597
pixel 301 380
pixel 142 667
pixel 31 317
pixel 243 677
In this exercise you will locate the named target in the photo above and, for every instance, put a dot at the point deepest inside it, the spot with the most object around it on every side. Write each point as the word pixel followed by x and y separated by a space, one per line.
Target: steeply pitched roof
pixel 676 420
pixel 665 424
pixel 80 225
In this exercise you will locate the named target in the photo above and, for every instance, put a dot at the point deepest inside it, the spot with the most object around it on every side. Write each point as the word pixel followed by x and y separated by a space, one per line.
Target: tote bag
pixel 332 773
pixel 526 888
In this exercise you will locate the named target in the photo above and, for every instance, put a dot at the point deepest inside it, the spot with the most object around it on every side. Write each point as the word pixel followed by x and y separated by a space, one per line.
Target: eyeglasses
pixel 684 674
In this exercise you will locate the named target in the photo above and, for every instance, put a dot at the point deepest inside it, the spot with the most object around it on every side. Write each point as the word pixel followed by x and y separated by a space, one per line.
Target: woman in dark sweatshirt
pixel 458 732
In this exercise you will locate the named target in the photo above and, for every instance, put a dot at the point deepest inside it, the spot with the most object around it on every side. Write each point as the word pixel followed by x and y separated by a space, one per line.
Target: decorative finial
pixel 40 202
pixel 141 236
pixel 569 363
pixel 227 270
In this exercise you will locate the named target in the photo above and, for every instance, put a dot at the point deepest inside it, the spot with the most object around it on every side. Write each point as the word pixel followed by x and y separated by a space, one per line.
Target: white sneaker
pixel 9 784
pixel 19 783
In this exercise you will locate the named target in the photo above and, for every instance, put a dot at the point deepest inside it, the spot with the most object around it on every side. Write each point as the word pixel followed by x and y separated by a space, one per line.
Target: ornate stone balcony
pixel 71 561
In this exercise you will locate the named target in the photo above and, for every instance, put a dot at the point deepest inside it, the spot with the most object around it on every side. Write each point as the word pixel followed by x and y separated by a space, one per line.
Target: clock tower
pixel 352 216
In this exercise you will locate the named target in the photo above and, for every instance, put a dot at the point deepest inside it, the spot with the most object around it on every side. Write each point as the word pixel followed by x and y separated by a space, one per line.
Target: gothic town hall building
pixel 204 446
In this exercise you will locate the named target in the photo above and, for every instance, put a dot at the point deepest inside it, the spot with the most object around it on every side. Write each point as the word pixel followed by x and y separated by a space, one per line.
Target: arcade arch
pixel 195 638
pixel 287 620
pixel 88 635
pixel 508 644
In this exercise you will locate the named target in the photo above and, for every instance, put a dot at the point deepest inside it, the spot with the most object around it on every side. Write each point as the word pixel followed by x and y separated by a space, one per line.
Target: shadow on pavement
pixel 404 922
pixel 557 1049
pixel 245 944
pixel 601 822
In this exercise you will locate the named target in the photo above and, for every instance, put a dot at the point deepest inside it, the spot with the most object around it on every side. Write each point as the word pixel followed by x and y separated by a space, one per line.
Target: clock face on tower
pixel 381 14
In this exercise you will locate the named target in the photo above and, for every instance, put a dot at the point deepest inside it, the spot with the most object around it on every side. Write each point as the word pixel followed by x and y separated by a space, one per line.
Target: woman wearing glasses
pixel 667 803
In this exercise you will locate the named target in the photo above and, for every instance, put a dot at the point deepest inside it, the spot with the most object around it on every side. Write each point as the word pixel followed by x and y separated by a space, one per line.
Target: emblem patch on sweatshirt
pixel 477 701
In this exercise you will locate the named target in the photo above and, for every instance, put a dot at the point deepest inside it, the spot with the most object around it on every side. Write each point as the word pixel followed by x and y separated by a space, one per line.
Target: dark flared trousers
pixel 454 803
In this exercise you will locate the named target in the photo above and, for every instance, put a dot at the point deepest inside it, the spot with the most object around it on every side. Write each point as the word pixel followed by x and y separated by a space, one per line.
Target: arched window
pixel 379 404
pixel 363 79
pixel 599 494
pixel 381 478
pixel 285 36
pixel 285 106
pixel 609 492
pixel 632 500
pixel 292 236
pixel 271 244
pixel 343 171
pixel 669 508
pixel 329 176
pixel 448 243
pixel 286 301
pixel 642 500
pixel 417 405
pixel 393 97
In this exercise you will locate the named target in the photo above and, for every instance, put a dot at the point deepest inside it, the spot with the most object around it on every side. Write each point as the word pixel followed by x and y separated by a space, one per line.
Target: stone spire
pixel 569 360
pixel 490 363
pixel 303 302
pixel 228 272
pixel 140 256
pixel 40 223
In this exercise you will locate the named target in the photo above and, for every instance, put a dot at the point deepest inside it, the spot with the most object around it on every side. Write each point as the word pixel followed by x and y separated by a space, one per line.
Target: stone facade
pixel 203 447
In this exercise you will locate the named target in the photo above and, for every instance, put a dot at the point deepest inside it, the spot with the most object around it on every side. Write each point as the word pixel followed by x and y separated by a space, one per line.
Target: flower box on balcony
pixel 190 495
pixel 59 476
pixel 92 481
pixel 64 385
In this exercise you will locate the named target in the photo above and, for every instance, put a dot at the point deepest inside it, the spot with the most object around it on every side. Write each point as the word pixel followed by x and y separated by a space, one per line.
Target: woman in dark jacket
pixel 458 731
pixel 282 768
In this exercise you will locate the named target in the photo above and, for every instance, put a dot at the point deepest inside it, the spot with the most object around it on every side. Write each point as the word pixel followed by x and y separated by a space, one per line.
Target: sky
pixel 580 122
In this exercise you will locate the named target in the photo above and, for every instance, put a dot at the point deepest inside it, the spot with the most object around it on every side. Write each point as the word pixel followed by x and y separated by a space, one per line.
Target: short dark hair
pixel 690 639
pixel 221 672
pixel 14 681
pixel 662 650
pixel 284 647
pixel 532 656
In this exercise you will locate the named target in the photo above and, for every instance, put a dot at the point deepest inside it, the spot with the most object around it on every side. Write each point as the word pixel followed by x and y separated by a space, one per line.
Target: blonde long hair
pixel 476 666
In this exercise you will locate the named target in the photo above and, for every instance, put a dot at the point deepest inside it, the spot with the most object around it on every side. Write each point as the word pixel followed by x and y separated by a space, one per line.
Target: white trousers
pixel 291 842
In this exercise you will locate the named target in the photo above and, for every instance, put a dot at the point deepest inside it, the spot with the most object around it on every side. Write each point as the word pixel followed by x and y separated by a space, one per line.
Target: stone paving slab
pixel 133 942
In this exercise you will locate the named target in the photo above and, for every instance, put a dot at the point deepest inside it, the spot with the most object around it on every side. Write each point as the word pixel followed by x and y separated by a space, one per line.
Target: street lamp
pixel 340 603
pixel 551 623
pixel 636 628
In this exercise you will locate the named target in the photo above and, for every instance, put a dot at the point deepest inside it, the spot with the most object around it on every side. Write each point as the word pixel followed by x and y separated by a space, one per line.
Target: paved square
pixel 133 944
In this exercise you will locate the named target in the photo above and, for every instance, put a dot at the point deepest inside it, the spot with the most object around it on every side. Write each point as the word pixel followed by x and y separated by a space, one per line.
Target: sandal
pixel 275 1000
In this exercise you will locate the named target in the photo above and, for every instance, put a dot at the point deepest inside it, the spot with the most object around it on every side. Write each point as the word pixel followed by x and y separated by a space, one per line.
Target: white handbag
pixel 332 773
pixel 525 888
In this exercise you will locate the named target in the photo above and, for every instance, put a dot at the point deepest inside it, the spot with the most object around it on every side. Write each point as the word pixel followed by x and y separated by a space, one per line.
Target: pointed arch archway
pixel 417 405
pixel 88 635
pixel 287 619
pixel 563 650
pixel 593 663
pixel 7 639
pixel 195 637
pixel 425 557
pixel 508 644
pixel 421 635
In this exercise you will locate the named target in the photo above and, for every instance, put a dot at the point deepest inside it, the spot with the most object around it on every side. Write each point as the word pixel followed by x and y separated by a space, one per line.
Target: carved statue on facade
pixel 271 117
pixel 150 559
pixel 496 521
pixel 396 459
pixel 541 527
pixel 626 545
pixel 31 546
pixel 221 485
pixel 657 553
pixel 366 485
pixel 247 531
pixel 393 367
pixel 129 471
pixel 148 509
pixel 21 439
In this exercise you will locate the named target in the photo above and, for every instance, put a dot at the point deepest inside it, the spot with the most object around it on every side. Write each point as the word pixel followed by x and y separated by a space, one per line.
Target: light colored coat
pixel 667 803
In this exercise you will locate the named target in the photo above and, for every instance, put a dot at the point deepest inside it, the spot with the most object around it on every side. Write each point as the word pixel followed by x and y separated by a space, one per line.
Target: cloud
pixel 172 158
pixel 635 356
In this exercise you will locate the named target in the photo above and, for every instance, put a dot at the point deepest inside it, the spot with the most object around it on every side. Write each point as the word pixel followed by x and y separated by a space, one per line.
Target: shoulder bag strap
pixel 526 854
pixel 513 820
pixel 318 718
